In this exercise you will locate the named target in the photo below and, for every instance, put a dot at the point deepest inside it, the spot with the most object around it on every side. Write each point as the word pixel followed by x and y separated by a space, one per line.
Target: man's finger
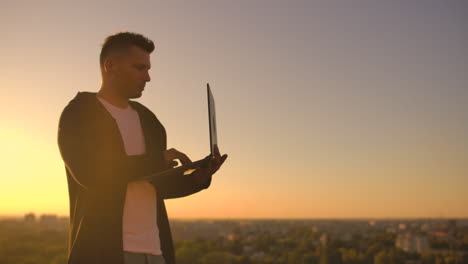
pixel 218 164
pixel 184 159
pixel 223 159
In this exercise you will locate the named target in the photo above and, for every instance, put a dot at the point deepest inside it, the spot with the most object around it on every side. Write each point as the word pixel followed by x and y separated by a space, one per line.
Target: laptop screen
pixel 212 119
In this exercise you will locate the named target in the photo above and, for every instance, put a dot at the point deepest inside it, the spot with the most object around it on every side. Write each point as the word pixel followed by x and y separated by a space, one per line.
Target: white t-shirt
pixel 140 230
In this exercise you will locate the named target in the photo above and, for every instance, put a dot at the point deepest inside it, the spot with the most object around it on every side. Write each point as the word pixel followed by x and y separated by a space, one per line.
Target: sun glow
pixel 32 176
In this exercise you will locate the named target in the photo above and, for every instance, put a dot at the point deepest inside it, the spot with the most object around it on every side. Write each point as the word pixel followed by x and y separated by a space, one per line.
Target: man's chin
pixel 135 95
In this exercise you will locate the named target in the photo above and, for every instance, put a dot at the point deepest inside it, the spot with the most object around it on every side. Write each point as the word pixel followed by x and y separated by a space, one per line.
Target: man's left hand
pixel 203 173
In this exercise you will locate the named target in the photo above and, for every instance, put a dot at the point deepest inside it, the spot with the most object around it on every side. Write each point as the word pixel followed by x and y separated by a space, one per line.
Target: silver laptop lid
pixel 212 119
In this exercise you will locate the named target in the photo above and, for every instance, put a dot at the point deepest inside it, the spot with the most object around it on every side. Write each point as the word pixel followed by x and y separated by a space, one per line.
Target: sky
pixel 327 109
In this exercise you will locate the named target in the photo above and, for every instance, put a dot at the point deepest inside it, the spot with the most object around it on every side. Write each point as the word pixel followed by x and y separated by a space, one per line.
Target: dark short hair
pixel 122 41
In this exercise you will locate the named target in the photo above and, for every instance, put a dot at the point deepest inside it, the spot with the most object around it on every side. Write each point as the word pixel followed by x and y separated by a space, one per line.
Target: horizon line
pixel 3 216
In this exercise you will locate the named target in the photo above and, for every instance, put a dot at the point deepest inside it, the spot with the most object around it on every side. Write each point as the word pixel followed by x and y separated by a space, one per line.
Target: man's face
pixel 131 72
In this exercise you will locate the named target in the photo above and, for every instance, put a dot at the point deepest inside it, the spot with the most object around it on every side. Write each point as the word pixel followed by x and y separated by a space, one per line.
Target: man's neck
pixel 107 94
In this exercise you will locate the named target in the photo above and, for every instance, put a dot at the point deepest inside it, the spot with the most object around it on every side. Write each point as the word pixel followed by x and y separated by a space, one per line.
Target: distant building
pixel 425 227
pixel 258 256
pixel 441 234
pixel 30 217
pixel 47 218
pixel 232 236
pixel 345 237
pixel 462 223
pixel 49 221
pixel 412 243
pixel 324 239
pixel 452 225
pixel 248 249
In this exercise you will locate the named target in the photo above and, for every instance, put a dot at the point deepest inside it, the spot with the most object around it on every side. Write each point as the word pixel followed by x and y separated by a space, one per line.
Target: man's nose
pixel 147 77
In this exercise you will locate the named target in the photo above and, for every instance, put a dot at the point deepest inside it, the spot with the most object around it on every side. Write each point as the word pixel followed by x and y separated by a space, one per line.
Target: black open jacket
pixel 98 171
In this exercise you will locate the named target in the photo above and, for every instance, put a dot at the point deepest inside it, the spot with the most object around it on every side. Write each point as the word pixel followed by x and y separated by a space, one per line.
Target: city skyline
pixel 441 218
pixel 327 109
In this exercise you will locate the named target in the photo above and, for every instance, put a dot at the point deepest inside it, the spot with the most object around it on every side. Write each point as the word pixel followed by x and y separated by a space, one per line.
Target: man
pixel 108 143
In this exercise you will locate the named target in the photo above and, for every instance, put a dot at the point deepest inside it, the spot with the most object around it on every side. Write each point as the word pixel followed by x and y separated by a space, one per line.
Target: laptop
pixel 189 168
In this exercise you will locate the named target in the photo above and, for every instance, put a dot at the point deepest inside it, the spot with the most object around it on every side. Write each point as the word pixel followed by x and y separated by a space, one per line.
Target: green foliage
pixel 34 243
pixel 219 257
pixel 388 257
pixel 26 243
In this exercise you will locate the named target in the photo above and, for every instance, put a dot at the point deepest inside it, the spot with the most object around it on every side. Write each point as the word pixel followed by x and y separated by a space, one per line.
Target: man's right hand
pixel 171 155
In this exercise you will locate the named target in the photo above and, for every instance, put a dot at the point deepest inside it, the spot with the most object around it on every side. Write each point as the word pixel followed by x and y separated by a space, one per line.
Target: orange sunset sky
pixel 327 109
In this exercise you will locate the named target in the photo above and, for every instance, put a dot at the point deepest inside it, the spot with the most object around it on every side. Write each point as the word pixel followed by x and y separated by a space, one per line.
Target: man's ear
pixel 108 65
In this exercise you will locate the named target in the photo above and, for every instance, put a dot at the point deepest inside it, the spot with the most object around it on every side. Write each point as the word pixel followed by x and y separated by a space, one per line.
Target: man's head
pixel 125 62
